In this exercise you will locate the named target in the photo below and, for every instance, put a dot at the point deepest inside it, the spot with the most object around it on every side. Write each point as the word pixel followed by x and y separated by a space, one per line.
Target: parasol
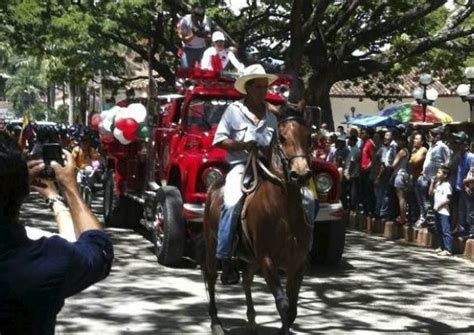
pixel 412 112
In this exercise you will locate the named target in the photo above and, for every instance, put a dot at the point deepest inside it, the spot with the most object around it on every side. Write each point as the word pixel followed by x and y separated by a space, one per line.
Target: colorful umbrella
pixel 373 121
pixel 412 112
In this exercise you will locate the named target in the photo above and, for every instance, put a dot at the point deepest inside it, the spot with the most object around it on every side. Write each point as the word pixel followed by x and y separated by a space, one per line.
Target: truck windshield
pixel 206 114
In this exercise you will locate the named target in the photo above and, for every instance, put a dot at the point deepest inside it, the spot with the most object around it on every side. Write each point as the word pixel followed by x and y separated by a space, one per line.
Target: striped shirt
pixel 438 154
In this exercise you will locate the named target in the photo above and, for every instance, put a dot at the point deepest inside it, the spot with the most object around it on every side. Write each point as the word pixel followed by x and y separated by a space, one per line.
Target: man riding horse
pixel 245 125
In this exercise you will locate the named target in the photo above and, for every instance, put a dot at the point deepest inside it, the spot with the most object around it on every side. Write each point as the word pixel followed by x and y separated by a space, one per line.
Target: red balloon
pixel 94 122
pixel 129 134
pixel 131 125
pixel 120 123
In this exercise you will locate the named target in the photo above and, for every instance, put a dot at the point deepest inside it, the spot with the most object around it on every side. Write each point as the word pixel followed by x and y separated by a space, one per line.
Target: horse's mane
pixel 288 112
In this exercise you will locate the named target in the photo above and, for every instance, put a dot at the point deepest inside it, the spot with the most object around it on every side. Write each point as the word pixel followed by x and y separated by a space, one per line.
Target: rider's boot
pixel 230 275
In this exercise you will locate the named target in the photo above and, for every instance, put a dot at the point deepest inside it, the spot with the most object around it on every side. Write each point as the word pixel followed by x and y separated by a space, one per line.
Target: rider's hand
pixel 65 175
pixel 250 146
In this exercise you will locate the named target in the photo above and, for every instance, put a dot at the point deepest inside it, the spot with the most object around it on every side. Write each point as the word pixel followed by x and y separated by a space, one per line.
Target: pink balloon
pixel 95 121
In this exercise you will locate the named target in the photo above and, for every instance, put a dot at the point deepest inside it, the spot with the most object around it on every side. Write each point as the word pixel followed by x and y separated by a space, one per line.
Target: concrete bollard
pixel 361 222
pixel 422 237
pixel 370 224
pixel 469 249
pixel 352 220
pixel 408 233
pixel 390 230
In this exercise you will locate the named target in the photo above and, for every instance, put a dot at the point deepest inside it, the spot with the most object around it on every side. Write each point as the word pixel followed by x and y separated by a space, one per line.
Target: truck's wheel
pixel 119 211
pixel 168 233
pixel 328 244
pixel 110 200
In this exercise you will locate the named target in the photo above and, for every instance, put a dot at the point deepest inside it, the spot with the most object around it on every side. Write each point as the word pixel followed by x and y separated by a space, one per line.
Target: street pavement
pixel 380 286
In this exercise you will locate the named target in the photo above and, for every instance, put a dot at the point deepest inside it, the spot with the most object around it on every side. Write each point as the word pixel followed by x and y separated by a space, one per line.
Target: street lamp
pixel 466 92
pixel 423 96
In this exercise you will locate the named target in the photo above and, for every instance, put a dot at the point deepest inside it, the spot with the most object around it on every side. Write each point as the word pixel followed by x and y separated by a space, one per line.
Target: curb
pixel 406 235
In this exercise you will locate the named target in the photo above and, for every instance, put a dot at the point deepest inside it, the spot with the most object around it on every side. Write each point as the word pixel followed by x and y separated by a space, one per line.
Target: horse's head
pixel 294 139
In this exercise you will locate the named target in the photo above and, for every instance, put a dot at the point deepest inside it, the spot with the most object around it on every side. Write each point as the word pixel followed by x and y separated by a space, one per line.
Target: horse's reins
pixel 252 162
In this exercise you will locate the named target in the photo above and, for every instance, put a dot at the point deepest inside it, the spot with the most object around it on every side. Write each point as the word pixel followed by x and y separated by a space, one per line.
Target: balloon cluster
pixel 125 125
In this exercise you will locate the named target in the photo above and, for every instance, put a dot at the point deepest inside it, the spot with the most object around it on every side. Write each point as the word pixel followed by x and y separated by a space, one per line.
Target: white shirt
pixel 225 57
pixel 442 191
pixel 185 26
pixel 241 125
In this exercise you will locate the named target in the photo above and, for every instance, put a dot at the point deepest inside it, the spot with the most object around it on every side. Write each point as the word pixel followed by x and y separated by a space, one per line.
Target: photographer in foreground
pixel 37 276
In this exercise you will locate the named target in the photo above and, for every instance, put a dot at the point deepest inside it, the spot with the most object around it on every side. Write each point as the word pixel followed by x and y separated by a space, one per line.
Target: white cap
pixel 217 36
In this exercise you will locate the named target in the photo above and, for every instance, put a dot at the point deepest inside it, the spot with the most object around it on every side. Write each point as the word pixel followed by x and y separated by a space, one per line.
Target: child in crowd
pixel 442 192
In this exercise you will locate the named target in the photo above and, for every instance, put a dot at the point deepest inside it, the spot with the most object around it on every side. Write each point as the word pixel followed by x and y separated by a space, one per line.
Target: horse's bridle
pixel 285 160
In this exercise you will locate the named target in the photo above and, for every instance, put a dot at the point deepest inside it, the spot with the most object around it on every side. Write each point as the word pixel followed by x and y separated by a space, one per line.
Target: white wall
pixel 453 106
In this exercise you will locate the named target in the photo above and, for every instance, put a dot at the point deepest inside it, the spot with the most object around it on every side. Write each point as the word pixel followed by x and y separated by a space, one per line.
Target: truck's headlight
pixel 323 183
pixel 211 175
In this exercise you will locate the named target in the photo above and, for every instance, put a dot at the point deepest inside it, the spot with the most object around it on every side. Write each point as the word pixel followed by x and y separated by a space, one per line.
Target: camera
pixel 51 152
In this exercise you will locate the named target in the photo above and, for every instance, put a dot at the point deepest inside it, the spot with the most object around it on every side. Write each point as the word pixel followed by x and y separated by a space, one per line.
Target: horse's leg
pixel 247 279
pixel 293 285
pixel 273 281
pixel 210 277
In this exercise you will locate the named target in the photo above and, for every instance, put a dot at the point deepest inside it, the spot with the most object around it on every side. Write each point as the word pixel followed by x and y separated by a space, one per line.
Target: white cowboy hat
pixel 217 36
pixel 255 71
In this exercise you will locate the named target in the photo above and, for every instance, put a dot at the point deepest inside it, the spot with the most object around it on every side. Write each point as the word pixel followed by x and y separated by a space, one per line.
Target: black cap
pixel 437 130
pixel 461 137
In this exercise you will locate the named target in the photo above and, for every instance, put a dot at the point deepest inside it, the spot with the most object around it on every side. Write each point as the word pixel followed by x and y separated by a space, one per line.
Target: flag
pixel 25 124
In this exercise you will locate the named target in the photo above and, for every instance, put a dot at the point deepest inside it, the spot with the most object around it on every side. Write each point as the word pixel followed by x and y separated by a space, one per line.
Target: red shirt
pixel 367 154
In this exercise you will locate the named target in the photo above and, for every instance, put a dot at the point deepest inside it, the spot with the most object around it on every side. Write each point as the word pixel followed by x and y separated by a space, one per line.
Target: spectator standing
pixel 352 172
pixel 382 176
pixel 469 189
pixel 438 154
pixel 465 199
pixel 36 276
pixel 367 154
pixel 194 30
pixel 440 188
pixel 415 166
pixel 340 157
pixel 217 57
pixel 400 177
pixel 340 130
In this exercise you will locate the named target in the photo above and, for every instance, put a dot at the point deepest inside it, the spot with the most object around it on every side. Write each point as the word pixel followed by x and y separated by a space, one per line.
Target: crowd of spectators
pixel 413 176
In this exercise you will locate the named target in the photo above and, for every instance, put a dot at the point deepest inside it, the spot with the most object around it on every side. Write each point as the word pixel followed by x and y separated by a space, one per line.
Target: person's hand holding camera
pixel 65 175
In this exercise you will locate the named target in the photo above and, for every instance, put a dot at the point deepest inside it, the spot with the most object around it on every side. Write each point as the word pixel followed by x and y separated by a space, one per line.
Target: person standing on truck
pixel 217 57
pixel 194 30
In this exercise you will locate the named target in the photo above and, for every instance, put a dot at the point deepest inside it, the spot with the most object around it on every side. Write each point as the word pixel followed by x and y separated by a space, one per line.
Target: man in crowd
pixel 382 177
pixel 438 154
pixel 466 161
pixel 367 153
pixel 352 172
pixel 36 276
pixel 194 30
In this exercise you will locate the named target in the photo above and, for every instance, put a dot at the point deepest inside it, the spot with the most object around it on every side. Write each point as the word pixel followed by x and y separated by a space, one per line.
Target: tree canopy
pixel 321 40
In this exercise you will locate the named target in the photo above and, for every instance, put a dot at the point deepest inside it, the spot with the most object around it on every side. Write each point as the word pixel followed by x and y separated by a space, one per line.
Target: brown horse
pixel 276 227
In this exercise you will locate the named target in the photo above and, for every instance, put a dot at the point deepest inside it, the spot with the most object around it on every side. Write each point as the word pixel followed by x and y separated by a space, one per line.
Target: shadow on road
pixel 379 287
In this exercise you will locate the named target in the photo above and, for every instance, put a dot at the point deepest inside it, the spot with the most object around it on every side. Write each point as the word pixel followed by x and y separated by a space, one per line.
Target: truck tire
pixel 119 211
pixel 328 243
pixel 168 230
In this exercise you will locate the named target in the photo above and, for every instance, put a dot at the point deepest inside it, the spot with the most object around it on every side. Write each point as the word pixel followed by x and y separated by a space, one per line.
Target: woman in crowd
pixel 415 166
pixel 400 176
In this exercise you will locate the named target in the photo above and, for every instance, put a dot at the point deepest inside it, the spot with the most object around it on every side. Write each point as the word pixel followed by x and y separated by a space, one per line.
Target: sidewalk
pixel 406 235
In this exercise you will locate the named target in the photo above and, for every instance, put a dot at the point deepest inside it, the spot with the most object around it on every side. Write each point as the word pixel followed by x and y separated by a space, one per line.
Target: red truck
pixel 162 183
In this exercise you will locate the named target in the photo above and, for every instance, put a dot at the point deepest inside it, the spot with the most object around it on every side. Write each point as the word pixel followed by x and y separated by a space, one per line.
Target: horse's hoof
pixel 217 330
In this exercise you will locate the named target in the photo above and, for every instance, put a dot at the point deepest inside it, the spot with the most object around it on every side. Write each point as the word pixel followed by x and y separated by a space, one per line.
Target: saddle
pixel 242 246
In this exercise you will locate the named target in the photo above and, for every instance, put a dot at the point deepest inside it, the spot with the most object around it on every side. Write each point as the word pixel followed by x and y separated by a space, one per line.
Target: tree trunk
pixel 317 94
pixel 83 103
pixel 70 91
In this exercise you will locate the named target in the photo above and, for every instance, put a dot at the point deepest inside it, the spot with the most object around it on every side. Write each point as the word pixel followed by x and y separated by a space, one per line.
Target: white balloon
pixel 118 134
pixel 136 112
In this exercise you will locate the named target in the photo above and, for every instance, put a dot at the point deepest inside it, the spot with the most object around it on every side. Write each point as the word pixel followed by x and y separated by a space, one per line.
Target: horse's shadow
pixel 343 269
